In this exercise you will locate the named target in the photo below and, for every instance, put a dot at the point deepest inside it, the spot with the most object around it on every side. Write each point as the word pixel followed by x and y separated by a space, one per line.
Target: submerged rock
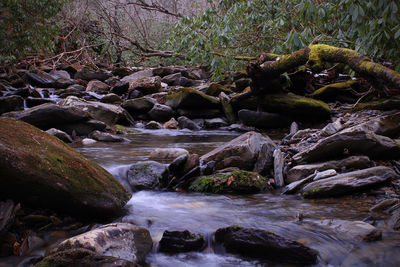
pixel 263 244
pixel 347 183
pixel 241 182
pixel 39 169
pixel 181 241
pixel 147 175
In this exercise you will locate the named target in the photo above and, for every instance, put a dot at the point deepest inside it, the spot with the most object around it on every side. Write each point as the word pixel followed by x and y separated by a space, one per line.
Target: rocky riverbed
pixel 177 170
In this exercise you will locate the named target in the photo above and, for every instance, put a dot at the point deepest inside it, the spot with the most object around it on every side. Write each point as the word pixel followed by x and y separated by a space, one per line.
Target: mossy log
pixel 314 56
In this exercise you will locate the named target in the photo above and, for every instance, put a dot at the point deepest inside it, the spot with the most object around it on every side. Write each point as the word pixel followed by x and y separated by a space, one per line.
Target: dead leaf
pixel 230 180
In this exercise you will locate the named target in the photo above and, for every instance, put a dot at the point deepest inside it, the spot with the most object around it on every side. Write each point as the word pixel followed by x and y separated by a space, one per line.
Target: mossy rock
pixel 240 182
pixel 189 98
pixel 215 89
pixel 38 169
pixel 331 91
pixel 382 104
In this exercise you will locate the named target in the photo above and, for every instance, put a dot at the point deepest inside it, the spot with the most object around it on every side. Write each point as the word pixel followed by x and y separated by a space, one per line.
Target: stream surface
pixel 205 213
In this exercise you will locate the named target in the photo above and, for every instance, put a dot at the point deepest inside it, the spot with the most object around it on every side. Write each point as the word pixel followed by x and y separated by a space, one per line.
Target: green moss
pixel 311 192
pixel 119 129
pixel 381 104
pixel 215 89
pixel 331 90
pixel 236 227
pixel 191 99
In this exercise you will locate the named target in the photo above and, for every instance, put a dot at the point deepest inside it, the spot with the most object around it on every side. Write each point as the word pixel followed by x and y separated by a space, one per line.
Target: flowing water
pixel 205 213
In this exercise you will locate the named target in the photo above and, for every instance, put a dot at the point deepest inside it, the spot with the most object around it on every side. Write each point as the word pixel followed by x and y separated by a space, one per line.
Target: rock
pixel 108 113
pixel 324 174
pixel 147 175
pixel 11 103
pixel 60 135
pixel 138 75
pixel 139 105
pixel 35 101
pixel 120 240
pixel 215 89
pixel 48 116
pixel 263 120
pixel 177 166
pixel 189 98
pixel 241 84
pixel 384 204
pixel 227 107
pixel 264 244
pixel 153 125
pixel 181 241
pixel 161 112
pixel 215 123
pixel 171 124
pixel 353 230
pixel 177 79
pixel 187 123
pixel 185 180
pixel 241 152
pixel 394 220
pixel 82 257
pixel 88 141
pixel 60 174
pixel 381 104
pixel 8 210
pixel 98 87
pixel 146 85
pixel 111 99
pixel 332 128
pixel 297 185
pixel 120 88
pixel 239 182
pixel 200 113
pixel 265 159
pixel 347 183
pixel 353 162
pixel 60 74
pixel 165 71
pixel 358 142
pixel 73 90
pixel 105 137
pixel 167 153
pixel 83 128
pixel 294 128
pixel 45 80
pixel 88 75
pixel 279 162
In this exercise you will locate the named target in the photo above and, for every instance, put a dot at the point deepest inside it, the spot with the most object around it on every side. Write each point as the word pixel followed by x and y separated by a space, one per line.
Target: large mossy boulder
pixel 38 169
pixel 189 98
pixel 240 182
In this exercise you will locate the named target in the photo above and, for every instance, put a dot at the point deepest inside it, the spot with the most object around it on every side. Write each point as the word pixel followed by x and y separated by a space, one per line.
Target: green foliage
pixel 27 26
pixel 282 26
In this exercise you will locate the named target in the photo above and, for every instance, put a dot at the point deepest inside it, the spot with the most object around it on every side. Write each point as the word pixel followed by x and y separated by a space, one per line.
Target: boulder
pixel 153 125
pixel 239 182
pixel 302 171
pixel 108 113
pixel 120 88
pixel 186 123
pixel 177 79
pixel 11 103
pixel 181 241
pixel 111 99
pixel 264 244
pixel 120 240
pixel 265 159
pixel 215 89
pixel 36 101
pixel 138 75
pixel 161 112
pixel 171 124
pixel 48 116
pixel 347 183
pixel 167 153
pixel 241 152
pixel 165 71
pixel 263 120
pixel 147 175
pixel 98 87
pixel 146 85
pixel 352 230
pixel 105 137
pixel 354 142
pixel 88 75
pixel 39 169
pixel 45 80
pixel 139 105
pixel 60 135
pixel 189 98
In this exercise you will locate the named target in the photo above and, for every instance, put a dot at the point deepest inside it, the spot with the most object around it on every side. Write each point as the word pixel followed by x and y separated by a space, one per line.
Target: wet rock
pixel 278 167
pixel 176 167
pixel 263 120
pixel 200 113
pixel 227 108
pixel 60 135
pixel 48 116
pixel 324 174
pixel 347 183
pixel 88 141
pixel 353 230
pixel 384 204
pixel 83 128
pixel 98 87
pixel 353 162
pixel 147 175
pixel 215 123
pixel 146 85
pixel 358 142
pixel 153 125
pixel 239 182
pixel 105 137
pixel 120 88
pixel 161 112
pixel 111 99
pixel 82 257
pixel 332 128
pixel 45 80
pixel 177 79
pixel 187 123
pixel 11 103
pixel 72 182
pixel 88 75
pixel 35 101
pixel 241 152
pixel 60 74
pixel 108 113
pixel 167 153
pixel 181 241
pixel 139 105
pixel 264 244
pixel 297 185
pixel 165 71
pixel 73 90
pixel 189 98
pixel 265 159
pixel 8 210
pixel 171 124
pixel 120 240
pixel 138 75
pixel 394 220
